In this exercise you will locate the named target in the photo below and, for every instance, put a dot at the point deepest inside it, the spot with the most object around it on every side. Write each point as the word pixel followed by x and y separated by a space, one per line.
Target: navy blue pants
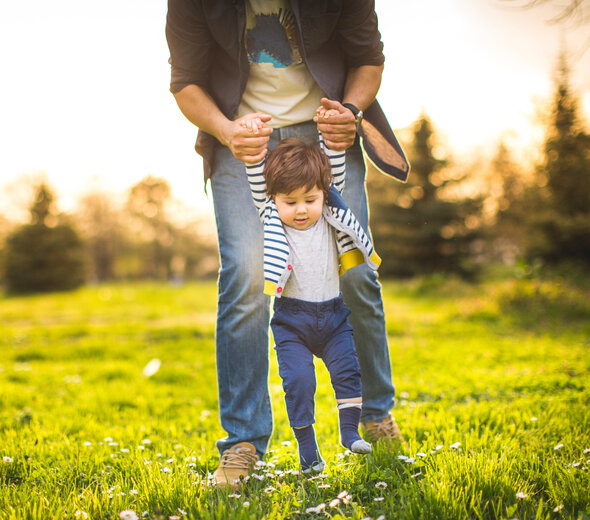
pixel 303 330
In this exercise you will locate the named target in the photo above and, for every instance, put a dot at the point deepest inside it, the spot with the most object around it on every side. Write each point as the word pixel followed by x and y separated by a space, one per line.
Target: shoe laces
pixel 238 458
pixel 384 429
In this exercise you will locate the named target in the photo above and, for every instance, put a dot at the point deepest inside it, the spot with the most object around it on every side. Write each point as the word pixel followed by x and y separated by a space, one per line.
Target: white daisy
pixel 317 509
pixel 128 514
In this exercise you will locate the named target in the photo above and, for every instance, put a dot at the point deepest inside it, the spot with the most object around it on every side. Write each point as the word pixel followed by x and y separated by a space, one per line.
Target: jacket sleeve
pixel 338 164
pixel 255 174
pixel 189 42
pixel 358 34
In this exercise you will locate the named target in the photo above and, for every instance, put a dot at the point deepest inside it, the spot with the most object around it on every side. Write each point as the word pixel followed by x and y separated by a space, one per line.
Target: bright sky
pixel 84 91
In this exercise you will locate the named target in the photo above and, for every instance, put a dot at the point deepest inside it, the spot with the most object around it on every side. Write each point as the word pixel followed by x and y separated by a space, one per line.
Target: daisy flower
pixel 128 514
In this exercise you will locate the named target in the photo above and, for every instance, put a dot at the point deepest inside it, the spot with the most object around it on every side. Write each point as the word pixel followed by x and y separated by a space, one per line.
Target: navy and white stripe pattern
pixel 349 233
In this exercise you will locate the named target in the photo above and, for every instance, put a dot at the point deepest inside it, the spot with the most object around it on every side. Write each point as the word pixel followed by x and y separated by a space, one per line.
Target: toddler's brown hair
pixel 295 163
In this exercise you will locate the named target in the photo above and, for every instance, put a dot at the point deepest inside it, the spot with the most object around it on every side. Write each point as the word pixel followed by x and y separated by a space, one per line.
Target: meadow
pixel 493 395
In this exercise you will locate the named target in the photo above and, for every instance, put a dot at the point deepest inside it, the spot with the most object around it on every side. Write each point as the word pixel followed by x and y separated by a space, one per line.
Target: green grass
pixel 493 398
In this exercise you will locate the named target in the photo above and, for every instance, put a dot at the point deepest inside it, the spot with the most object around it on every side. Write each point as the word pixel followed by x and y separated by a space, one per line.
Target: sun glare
pixel 82 106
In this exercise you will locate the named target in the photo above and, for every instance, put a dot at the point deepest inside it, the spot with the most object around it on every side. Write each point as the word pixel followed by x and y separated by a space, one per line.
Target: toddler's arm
pixel 254 172
pixel 337 159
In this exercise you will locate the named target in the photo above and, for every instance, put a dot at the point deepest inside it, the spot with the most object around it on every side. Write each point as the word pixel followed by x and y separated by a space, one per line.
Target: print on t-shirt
pixel 279 82
pixel 273 37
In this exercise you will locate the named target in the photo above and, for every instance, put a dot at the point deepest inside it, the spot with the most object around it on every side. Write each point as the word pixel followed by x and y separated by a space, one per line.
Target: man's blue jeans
pixel 243 310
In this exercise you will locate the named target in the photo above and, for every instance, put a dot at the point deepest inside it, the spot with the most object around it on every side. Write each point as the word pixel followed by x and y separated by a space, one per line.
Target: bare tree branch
pixel 575 11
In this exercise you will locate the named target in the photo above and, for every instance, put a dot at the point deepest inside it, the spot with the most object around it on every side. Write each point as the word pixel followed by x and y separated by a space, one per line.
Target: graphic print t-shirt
pixel 279 82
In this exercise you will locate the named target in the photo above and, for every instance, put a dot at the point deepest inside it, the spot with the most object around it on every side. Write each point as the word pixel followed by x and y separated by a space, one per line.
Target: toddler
pixel 310 238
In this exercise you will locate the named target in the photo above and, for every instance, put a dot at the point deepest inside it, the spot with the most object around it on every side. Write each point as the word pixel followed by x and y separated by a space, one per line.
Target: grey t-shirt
pixel 314 259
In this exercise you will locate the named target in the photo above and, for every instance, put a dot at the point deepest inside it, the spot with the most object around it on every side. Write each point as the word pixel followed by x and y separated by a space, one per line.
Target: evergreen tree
pixel 560 221
pixel 506 195
pixel 417 230
pixel 40 257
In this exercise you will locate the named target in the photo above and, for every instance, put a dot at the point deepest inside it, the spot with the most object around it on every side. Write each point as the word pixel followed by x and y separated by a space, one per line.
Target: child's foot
pixel 349 430
pixel 318 467
pixel 309 453
pixel 361 446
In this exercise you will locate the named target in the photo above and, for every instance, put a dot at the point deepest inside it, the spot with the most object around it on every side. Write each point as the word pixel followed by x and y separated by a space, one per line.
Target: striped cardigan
pixel 353 244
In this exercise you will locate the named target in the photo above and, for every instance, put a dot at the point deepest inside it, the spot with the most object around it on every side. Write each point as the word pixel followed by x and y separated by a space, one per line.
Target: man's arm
pixel 362 85
pixel 201 110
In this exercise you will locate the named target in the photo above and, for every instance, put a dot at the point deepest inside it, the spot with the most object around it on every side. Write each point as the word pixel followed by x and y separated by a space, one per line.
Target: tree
pixel 507 187
pixel 147 203
pixel 576 11
pixel 102 225
pixel 419 227
pixel 560 224
pixel 43 257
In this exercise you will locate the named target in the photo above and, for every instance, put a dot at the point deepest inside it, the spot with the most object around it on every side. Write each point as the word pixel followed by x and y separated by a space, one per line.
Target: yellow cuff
pixel 269 288
pixel 375 258
pixel 350 259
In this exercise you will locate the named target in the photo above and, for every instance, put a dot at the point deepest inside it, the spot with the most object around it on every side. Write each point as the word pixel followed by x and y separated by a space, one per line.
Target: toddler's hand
pixel 253 124
pixel 326 114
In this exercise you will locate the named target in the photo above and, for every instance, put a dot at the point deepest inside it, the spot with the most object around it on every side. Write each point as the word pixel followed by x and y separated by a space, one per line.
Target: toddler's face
pixel 300 208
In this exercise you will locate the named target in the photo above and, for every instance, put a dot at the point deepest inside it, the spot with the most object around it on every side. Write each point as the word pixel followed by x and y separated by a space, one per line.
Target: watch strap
pixel 358 113
pixel 353 108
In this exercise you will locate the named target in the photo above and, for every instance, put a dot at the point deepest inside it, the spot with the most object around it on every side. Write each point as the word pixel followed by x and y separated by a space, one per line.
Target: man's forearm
pixel 201 110
pixel 362 85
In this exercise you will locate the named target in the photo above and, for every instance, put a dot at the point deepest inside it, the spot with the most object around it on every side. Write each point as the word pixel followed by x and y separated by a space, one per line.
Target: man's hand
pixel 247 137
pixel 337 125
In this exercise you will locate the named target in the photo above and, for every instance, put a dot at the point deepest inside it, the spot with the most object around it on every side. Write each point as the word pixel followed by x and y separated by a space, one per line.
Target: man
pixel 279 59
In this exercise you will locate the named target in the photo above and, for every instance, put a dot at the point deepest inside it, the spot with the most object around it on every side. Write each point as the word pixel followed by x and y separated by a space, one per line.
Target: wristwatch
pixel 358 114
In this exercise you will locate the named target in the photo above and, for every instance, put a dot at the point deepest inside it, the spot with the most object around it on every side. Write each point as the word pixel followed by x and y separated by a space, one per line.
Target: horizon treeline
pixel 449 217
